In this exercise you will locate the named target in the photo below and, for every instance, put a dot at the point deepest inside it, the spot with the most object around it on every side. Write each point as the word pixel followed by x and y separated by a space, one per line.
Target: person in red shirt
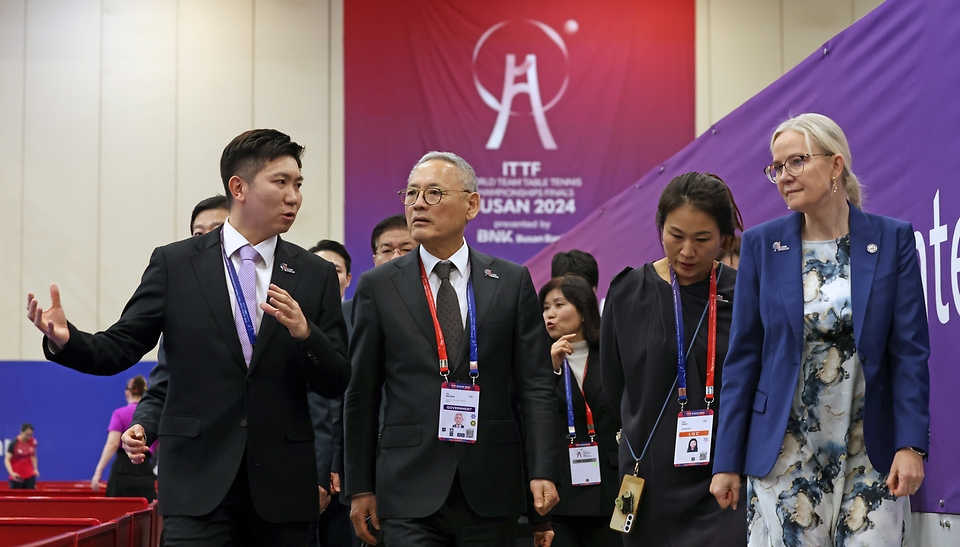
pixel 21 460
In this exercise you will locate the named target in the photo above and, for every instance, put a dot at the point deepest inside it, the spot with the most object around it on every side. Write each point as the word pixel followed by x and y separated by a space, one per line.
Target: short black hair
pixel 704 192
pixel 25 426
pixel 392 222
pixel 576 262
pixel 246 154
pixel 578 292
pixel 335 247
pixel 209 204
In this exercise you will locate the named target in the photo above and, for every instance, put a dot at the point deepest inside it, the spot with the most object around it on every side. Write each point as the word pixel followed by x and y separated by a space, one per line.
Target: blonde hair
pixel 827 135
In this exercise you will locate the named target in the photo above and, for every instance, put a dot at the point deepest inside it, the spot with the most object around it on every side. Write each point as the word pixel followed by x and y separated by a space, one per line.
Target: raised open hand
pixel 52 322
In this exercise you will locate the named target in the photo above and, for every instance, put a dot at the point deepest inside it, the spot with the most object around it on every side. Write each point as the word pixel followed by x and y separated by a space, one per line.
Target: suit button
pixel 243 423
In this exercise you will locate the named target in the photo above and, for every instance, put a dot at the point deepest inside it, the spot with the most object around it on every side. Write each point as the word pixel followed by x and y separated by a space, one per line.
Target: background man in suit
pixel 391 239
pixel 208 215
pixel 335 253
pixel 237 442
pixel 427 491
pixel 334 528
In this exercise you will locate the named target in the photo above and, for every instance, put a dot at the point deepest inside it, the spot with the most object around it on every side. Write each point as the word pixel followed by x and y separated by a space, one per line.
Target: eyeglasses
pixel 431 196
pixel 400 251
pixel 793 165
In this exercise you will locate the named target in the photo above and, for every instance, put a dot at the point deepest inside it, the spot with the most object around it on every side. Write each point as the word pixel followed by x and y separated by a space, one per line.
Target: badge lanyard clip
pixel 709 310
pixel 471 323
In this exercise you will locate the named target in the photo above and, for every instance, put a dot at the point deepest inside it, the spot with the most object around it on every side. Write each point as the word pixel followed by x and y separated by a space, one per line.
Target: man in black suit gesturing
pixel 425 486
pixel 248 320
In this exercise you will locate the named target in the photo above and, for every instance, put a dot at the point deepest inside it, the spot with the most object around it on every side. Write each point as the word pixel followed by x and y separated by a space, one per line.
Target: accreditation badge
pixel 459 412
pixel 694 436
pixel 584 464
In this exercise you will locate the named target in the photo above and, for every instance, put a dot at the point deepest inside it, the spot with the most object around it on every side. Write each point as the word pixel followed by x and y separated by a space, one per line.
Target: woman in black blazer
pixel 696 218
pixel 572 317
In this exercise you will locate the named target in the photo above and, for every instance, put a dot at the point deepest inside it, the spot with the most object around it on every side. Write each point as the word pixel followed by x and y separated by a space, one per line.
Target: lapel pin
pixel 872 248
pixel 489 273
pixel 777 247
pixel 285 268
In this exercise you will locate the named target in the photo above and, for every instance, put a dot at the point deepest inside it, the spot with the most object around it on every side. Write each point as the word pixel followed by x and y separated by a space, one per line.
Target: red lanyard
pixel 441 343
pixel 590 429
pixel 711 339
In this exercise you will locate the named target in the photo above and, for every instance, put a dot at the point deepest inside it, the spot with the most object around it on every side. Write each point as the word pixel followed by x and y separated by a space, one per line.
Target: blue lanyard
pixel 238 295
pixel 472 322
pixel 571 426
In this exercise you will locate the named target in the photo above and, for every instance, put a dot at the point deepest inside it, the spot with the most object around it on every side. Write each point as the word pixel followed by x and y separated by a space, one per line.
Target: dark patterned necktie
pixel 448 311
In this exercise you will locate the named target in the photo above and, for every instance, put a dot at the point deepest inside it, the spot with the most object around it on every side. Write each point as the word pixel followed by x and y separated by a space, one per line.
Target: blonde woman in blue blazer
pixel 826 388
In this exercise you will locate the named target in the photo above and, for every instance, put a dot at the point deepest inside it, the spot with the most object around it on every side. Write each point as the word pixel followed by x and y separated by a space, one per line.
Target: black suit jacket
pixel 348 315
pixel 594 500
pixel 213 408
pixel 394 348
pixel 327 415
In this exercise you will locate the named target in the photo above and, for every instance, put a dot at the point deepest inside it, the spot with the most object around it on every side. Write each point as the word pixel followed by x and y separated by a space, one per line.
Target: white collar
pixel 233 240
pixel 460 259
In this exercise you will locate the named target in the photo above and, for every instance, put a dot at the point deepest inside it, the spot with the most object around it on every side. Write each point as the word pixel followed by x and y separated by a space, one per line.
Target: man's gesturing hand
pixel 52 322
pixel 282 306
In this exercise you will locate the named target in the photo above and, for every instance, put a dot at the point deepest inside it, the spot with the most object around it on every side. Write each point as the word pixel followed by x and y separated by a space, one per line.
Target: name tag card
pixel 694 436
pixel 584 464
pixel 459 412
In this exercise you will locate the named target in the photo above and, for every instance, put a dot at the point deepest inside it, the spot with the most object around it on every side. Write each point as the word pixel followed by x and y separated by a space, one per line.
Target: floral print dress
pixel 823 489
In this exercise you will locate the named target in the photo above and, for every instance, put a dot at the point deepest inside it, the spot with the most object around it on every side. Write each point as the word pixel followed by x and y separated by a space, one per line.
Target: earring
pixel 834 185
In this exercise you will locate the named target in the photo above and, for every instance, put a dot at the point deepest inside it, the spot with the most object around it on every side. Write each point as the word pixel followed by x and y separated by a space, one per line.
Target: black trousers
pixel 234 523
pixel 334 529
pixel 584 532
pixel 127 480
pixel 453 525
pixel 25 484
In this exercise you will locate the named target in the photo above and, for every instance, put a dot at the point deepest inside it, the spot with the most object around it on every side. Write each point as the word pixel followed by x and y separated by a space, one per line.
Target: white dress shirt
pixel 459 275
pixel 232 241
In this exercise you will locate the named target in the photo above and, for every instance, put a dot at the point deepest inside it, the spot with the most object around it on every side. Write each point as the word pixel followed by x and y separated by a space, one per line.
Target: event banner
pixel 558 105
pixel 883 81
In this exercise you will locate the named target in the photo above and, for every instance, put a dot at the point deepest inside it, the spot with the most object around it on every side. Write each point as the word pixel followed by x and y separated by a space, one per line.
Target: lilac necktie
pixel 248 284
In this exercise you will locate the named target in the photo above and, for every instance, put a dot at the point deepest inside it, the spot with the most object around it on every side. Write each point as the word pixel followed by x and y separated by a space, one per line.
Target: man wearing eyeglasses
pixel 391 239
pixel 421 488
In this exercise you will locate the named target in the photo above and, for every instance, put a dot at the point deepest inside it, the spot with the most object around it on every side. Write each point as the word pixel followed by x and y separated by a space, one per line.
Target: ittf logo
pixel 529 70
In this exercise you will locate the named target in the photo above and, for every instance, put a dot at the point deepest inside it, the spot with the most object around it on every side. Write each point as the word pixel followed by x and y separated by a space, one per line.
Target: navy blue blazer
pixel 762 367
